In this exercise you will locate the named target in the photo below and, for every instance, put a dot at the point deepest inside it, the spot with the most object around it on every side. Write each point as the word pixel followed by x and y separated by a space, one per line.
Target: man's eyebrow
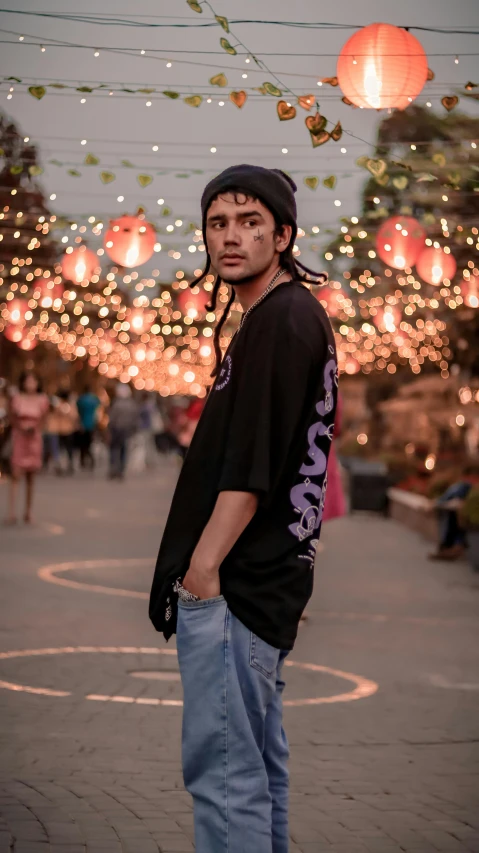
pixel 243 214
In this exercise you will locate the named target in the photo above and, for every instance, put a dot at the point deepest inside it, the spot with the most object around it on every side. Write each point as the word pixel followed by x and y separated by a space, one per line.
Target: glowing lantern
pixel 79 265
pixel 382 66
pixel 193 302
pixel 13 333
pixel 47 292
pixel 351 366
pixel 130 241
pixel 141 321
pixel 470 292
pixel 435 265
pixel 16 310
pixel 332 298
pixel 388 318
pixel 399 241
pixel 27 344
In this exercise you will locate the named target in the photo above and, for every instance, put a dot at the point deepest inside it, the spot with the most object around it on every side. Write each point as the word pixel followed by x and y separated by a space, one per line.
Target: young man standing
pixel 235 567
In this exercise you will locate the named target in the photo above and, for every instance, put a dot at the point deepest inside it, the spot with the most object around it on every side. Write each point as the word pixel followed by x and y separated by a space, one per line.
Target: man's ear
pixel 283 238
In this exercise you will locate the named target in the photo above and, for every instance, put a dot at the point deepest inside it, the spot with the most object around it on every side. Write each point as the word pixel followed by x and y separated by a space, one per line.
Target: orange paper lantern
pixel 79 265
pixel 435 265
pixel 470 292
pixel 16 310
pixel 331 298
pixel 140 320
pixel 399 241
pixel 130 241
pixel 388 318
pixel 48 293
pixel 13 333
pixel 193 302
pixel 382 66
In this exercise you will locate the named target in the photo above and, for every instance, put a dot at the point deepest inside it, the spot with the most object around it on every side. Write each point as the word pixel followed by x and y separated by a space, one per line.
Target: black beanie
pixel 271 186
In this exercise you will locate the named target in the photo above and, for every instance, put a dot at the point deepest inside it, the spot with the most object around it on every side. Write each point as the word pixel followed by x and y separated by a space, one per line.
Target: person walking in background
pixel 235 566
pixel 67 426
pixel 27 413
pixel 124 422
pixel 87 405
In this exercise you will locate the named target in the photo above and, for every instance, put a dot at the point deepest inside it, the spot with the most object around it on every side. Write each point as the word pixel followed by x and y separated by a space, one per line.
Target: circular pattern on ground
pixel 363 687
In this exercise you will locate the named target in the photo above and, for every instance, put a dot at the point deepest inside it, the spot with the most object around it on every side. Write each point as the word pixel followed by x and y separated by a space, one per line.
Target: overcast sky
pixel 119 128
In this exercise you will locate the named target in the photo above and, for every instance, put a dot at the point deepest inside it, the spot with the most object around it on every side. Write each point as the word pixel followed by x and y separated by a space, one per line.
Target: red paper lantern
pixel 79 265
pixel 331 298
pixel 16 310
pixel 470 292
pixel 48 293
pixel 435 265
pixel 13 333
pixel 193 302
pixel 387 318
pixel 140 320
pixel 130 241
pixel 27 344
pixel 399 241
pixel 382 66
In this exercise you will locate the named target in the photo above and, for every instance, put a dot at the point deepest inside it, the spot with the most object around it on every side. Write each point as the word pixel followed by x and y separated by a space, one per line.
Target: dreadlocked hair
pixel 287 261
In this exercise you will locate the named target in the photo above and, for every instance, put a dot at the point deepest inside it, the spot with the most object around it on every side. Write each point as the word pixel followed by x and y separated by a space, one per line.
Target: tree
pixel 425 166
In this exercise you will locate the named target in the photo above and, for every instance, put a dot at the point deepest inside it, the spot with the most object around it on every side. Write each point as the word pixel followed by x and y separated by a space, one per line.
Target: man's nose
pixel 232 234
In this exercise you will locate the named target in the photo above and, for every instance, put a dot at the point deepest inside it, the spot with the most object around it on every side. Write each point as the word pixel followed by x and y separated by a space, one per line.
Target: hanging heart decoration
pixel 193 100
pixel 219 80
pixel 337 132
pixel 91 160
pixel 35 170
pixel 306 102
pixel 376 167
pixel 439 159
pixel 449 102
pixel 330 182
pixel 318 139
pixel 227 47
pixel 430 74
pixel 37 91
pixel 285 111
pixel 144 180
pixel 272 90
pixel 107 177
pixel 330 81
pixel 238 98
pixel 316 123
pixel 383 180
pixel 400 182
pixel 312 182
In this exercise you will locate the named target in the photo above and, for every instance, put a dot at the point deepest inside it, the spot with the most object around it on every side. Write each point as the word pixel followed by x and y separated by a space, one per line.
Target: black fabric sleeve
pixel 276 367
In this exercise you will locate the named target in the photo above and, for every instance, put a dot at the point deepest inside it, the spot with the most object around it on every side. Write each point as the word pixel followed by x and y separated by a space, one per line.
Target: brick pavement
pixel 396 771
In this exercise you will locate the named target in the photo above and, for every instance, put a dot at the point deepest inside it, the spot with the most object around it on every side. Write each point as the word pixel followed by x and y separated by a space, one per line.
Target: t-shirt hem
pixel 285 645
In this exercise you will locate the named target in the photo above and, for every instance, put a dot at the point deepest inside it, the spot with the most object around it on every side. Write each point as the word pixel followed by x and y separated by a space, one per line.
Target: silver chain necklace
pixel 263 295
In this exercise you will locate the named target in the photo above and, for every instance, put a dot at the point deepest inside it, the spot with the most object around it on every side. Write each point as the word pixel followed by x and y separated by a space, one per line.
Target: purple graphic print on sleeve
pixel 308 496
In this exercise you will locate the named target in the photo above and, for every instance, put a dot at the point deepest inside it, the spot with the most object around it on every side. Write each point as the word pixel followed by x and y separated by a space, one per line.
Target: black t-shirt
pixel 266 428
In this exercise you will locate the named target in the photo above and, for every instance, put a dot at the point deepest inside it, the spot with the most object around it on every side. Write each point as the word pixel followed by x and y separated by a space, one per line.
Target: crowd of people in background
pixel 67 432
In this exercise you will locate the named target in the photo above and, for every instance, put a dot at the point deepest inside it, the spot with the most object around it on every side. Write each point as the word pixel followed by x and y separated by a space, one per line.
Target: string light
pixel 121 198
pixel 148 104
pixel 213 150
pixel 169 64
pixel 97 53
pixel 83 142
pixel 284 150
pixel 155 148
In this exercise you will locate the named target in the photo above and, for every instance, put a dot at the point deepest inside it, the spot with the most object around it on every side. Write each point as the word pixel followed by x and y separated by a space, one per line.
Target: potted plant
pixel 470 520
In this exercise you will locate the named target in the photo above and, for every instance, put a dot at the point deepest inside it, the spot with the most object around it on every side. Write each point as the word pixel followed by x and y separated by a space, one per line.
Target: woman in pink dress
pixel 28 410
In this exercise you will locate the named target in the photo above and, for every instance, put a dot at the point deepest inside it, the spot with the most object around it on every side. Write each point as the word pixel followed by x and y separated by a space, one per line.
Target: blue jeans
pixel 234 747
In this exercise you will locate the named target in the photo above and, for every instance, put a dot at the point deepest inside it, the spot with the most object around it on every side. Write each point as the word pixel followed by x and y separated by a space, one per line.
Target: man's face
pixel 241 238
